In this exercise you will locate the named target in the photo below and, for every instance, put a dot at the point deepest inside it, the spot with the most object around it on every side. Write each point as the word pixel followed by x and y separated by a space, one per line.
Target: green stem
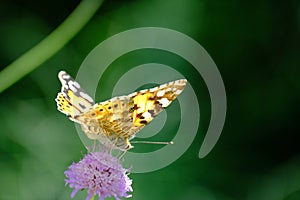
pixel 50 45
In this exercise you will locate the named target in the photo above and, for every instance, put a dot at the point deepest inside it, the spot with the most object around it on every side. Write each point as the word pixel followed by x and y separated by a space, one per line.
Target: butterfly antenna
pixel 122 155
pixel 150 142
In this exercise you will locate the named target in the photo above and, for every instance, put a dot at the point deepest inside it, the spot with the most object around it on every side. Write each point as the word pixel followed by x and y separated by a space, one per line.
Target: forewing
pixel 72 100
pixel 147 104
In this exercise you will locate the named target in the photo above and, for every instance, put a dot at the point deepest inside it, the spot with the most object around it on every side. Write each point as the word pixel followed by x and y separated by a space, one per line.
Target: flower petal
pixel 74 193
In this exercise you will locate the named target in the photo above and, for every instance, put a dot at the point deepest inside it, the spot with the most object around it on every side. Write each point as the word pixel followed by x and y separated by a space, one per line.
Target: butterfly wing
pixel 111 119
pixel 116 121
pixel 147 104
pixel 72 100
pixel 120 118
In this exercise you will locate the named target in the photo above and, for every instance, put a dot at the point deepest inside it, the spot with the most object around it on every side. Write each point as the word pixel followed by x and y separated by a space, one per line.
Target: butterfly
pixel 116 121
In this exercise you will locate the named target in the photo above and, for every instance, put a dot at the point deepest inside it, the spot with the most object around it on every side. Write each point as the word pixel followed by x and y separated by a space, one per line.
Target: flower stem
pixel 50 45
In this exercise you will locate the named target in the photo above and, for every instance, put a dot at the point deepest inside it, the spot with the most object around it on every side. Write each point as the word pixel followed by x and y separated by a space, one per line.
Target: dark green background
pixel 256 48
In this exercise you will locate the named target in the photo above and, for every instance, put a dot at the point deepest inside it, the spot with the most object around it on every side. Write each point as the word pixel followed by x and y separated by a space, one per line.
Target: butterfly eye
pixel 101 109
pixel 109 107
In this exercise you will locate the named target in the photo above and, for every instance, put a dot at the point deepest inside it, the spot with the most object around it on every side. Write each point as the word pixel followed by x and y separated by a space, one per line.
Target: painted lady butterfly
pixel 115 121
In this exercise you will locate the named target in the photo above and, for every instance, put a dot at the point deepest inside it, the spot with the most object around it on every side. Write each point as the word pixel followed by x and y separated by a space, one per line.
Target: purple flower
pixel 100 173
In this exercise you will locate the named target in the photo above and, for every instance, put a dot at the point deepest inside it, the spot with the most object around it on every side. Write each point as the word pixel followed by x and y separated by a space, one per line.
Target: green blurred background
pixel 256 48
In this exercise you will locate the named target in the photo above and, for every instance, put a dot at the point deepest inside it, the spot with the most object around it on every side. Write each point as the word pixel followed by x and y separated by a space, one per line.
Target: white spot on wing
pixel 71 85
pixel 178 92
pixel 66 76
pixel 61 73
pixel 76 84
pixel 165 102
pixel 153 89
pixel 147 115
pixel 163 86
pixel 143 91
pixel 160 93
pixel 181 82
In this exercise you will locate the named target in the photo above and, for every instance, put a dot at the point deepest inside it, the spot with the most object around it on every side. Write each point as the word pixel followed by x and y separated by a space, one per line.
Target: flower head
pixel 100 173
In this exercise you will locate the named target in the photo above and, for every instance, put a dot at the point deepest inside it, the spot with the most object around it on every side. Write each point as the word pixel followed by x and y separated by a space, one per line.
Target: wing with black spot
pixel 72 100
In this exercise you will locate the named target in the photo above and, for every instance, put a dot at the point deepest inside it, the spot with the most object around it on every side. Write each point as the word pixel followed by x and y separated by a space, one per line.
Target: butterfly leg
pixel 122 155
pixel 94 145
pixel 113 145
pixel 129 146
